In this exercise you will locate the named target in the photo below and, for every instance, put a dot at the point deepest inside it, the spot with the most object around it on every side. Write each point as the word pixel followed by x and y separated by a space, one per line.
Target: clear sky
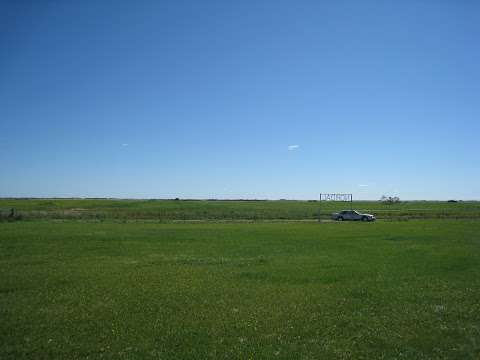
pixel 250 99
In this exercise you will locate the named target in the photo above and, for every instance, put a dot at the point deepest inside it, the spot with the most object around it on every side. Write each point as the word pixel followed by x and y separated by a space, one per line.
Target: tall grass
pixel 102 209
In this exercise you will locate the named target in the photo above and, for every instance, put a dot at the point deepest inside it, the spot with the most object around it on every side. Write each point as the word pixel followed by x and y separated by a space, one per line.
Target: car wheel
pixel 364 218
pixel 340 218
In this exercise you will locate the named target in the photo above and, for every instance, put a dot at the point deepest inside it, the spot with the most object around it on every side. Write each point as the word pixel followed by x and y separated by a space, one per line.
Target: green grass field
pixel 166 210
pixel 135 290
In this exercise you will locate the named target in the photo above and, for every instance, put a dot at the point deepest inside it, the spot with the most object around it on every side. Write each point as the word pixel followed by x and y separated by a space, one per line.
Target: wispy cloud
pixel 293 147
pixel 362 185
pixel 124 144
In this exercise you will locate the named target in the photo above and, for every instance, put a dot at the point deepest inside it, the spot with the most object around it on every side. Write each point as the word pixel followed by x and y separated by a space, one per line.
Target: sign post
pixel 334 197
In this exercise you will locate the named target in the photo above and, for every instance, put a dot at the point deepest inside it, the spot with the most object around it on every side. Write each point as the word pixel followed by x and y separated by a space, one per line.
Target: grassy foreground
pixel 394 290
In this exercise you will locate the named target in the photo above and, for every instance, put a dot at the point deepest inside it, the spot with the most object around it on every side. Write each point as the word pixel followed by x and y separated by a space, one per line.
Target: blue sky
pixel 250 99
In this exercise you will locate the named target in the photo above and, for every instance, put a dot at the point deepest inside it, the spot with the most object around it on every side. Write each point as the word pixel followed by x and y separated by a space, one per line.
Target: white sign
pixel 336 197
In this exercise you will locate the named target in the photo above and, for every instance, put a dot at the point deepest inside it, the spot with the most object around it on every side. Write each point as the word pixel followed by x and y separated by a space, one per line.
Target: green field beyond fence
pixel 164 210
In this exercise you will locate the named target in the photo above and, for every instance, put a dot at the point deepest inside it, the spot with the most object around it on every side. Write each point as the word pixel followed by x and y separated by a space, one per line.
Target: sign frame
pixel 344 197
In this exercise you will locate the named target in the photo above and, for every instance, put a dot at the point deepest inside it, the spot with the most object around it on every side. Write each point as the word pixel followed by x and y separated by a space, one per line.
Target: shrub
pixel 389 199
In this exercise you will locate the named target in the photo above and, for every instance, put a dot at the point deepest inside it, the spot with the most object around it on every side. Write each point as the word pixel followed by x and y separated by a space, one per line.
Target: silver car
pixel 352 215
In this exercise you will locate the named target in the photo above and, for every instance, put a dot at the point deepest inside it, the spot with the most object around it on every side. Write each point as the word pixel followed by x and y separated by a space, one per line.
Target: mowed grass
pixel 393 290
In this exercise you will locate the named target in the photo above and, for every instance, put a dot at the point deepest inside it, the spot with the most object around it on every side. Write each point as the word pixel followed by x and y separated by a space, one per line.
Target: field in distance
pixel 164 210
pixel 392 289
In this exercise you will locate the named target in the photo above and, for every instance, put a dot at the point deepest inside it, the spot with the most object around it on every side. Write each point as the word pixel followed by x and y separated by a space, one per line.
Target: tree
pixel 389 199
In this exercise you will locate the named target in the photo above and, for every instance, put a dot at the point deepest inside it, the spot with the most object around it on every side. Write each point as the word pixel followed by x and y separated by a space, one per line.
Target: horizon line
pixel 209 199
